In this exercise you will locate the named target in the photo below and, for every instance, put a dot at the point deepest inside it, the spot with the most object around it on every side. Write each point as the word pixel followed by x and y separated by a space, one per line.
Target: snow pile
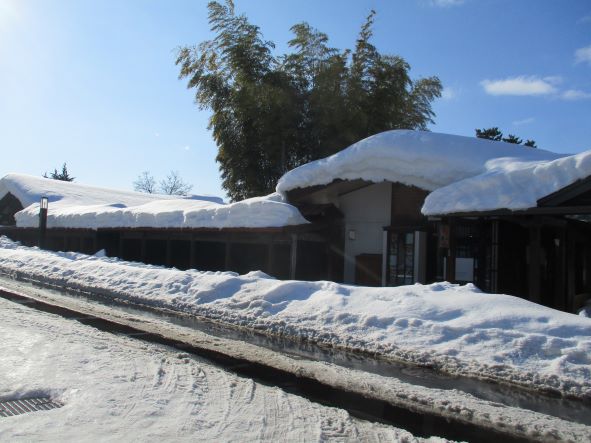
pixel 454 328
pixel 427 160
pixel 509 185
pixel 72 205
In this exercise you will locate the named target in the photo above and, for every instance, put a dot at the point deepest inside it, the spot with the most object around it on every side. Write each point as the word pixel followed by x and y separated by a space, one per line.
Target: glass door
pixel 401 258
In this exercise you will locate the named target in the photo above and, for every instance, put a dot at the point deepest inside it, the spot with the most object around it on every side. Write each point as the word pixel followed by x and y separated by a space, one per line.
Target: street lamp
pixel 43 221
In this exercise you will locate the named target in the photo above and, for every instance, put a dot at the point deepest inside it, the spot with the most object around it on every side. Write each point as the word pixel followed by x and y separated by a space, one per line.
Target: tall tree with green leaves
pixel 271 113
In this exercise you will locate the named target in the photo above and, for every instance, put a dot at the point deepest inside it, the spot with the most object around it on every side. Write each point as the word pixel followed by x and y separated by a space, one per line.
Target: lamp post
pixel 42 221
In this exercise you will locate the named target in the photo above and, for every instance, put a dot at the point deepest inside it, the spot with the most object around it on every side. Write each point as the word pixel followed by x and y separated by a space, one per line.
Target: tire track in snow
pixel 116 388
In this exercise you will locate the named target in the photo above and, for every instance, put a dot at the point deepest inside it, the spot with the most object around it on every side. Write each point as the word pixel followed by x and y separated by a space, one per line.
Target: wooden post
pixel 168 253
pixel 227 257
pixel 270 257
pixel 494 259
pixel 192 252
pixel 534 275
pixel 120 253
pixel 294 256
pixel 450 271
pixel 143 248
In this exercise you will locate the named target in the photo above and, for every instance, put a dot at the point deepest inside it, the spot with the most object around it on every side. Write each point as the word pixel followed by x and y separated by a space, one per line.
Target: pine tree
pixel 63 175
pixel 491 134
pixel 495 134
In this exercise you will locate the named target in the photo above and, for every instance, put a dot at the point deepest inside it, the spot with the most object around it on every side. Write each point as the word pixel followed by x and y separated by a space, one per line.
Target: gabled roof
pixel 72 205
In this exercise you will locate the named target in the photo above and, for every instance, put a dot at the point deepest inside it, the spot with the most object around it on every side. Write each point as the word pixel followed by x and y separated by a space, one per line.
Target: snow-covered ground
pixel 453 328
pixel 119 389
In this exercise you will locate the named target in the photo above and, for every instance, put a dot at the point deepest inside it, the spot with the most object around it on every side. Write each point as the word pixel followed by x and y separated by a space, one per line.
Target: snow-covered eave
pixel 274 229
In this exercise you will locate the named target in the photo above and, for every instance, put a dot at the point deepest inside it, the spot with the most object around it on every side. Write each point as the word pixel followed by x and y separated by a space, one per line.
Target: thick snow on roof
pixel 508 185
pixel 427 160
pixel 72 205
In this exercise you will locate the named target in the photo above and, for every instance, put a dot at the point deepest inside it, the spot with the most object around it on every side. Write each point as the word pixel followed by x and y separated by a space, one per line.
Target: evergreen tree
pixel 490 134
pixel 495 134
pixel 530 144
pixel 512 139
pixel 273 113
pixel 63 175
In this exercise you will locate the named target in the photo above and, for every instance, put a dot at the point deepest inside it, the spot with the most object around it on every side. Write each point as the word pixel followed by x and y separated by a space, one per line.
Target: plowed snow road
pixel 117 388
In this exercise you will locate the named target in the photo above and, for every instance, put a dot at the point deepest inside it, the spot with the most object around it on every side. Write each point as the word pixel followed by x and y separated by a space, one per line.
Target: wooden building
pixel 366 216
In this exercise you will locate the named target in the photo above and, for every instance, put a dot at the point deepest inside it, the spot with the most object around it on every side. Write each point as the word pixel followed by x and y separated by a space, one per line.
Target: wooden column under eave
pixel 571 264
pixel 143 248
pixel 227 256
pixel 168 253
pixel 294 256
pixel 192 252
pixel 534 275
pixel 270 257
pixel 450 264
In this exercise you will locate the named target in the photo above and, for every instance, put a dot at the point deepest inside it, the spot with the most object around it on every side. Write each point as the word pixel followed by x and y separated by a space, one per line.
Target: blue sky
pixel 93 83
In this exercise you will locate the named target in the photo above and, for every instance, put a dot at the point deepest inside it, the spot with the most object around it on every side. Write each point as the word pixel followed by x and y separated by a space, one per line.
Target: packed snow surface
pixel 463 173
pixel 72 205
pixel 120 389
pixel 454 328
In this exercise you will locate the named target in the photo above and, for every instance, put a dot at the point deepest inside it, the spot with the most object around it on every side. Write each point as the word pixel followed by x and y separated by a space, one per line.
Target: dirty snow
pixel 119 389
pixel 454 328
pixel 72 205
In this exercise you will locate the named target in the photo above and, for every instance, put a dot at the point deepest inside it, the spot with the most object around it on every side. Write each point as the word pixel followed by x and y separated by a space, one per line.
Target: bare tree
pixel 145 183
pixel 173 184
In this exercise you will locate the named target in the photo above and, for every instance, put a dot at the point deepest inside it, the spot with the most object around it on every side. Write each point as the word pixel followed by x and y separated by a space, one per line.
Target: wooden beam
pixel 534 271
pixel 192 252
pixel 294 256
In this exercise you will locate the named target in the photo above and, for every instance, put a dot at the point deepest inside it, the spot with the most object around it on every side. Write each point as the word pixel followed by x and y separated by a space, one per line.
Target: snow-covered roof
pixel 463 173
pixel 72 205
pixel 510 185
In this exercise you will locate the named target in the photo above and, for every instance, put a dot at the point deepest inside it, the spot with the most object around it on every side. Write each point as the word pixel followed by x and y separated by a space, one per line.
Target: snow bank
pixel 454 328
pixel 427 160
pixel 72 205
pixel 508 185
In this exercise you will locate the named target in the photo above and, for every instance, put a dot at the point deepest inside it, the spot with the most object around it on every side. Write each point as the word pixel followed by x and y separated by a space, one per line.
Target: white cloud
pixel 583 55
pixel 525 121
pixel 575 94
pixel 449 93
pixel 187 148
pixel 522 85
pixel 446 3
